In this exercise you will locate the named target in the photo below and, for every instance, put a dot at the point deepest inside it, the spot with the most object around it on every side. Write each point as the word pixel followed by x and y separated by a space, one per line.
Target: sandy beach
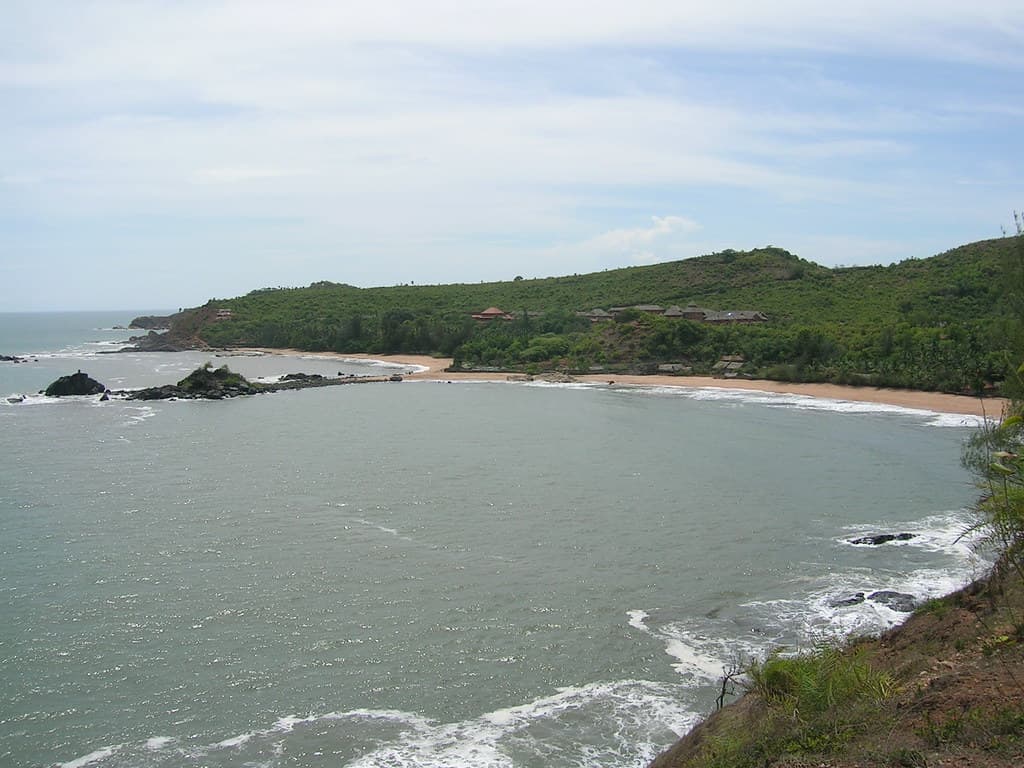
pixel 926 401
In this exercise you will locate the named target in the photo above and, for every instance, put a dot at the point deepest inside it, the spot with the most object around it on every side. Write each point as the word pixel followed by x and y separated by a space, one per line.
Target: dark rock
pixel 75 384
pixel 883 538
pixel 395 377
pixel 206 383
pixel 105 396
pixel 301 377
pixel 158 342
pixel 856 599
pixel 896 601
pixel 166 392
pixel 151 322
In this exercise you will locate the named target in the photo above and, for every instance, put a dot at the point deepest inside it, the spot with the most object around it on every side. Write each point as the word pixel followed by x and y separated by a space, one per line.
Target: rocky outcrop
pixel 160 342
pixel 844 602
pixel 205 383
pixel 76 384
pixel 152 322
pixel 208 383
pixel 882 538
pixel 900 602
pixel 11 359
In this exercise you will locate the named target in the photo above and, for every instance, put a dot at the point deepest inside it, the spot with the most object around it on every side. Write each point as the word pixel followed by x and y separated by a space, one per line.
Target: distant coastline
pixel 990 407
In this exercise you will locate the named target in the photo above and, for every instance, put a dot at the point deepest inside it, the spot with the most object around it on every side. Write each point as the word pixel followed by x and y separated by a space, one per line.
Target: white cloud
pixel 628 240
pixel 665 238
pixel 446 137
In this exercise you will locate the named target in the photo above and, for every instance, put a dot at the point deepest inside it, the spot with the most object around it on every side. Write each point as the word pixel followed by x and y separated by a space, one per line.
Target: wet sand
pixel 926 401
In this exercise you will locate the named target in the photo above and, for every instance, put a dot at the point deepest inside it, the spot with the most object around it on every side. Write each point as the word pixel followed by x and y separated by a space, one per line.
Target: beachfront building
pixel 689 312
pixel 492 313
pixel 596 315
pixel 736 316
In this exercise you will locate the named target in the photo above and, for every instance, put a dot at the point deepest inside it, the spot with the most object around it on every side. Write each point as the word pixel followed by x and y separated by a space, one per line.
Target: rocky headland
pixel 152 322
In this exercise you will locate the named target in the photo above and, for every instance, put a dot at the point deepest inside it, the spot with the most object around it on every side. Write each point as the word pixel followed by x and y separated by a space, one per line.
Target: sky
pixel 160 154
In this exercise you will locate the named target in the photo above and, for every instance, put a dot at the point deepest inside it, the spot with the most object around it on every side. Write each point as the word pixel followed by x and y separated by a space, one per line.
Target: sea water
pixel 424 573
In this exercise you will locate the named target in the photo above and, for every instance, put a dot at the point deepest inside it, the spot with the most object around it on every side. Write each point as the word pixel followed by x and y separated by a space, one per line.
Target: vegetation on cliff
pixel 935 323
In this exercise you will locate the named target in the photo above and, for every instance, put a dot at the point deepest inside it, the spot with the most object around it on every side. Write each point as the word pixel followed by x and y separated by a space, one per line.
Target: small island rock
pixel 76 384
pixel 205 383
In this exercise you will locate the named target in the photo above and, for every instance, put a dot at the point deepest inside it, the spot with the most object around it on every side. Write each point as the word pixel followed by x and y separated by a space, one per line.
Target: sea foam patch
pixel 92 758
pixel 806 403
pixel 953 533
pixel 618 723
pixel 855 599
pixel 699 658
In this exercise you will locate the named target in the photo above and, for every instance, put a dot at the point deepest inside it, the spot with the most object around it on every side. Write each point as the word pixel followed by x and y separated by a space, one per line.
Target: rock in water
pixel 896 601
pixel 75 384
pixel 856 599
pixel 883 538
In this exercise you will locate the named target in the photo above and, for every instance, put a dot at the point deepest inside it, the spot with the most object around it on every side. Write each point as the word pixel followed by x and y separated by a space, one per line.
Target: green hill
pixel 934 323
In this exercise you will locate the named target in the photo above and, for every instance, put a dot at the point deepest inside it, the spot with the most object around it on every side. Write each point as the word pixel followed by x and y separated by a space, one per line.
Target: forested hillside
pixel 932 323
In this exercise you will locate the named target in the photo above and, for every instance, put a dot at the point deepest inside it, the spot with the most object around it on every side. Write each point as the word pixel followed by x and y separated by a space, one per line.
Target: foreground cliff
pixel 944 689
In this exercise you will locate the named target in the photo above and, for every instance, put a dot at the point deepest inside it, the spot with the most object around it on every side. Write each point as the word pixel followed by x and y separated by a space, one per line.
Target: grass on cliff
pixel 812 703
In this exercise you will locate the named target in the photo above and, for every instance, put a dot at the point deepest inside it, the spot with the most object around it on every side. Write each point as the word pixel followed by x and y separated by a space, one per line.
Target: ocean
pixel 428 574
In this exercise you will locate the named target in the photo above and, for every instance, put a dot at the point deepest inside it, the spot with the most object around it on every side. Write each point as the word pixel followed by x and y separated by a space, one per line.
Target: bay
pixel 468 574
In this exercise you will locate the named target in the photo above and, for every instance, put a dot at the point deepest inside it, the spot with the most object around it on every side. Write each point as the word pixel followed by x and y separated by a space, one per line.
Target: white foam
pixel 631 710
pixel 381 528
pixel 288 722
pixel 693 659
pixel 142 412
pixel 704 647
pixel 692 662
pixel 234 741
pixel 633 720
pixel 411 367
pixel 541 383
pixel 950 533
pixel 806 403
pixel 416 722
pixel 91 758
pixel 942 533
pixel 637 618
